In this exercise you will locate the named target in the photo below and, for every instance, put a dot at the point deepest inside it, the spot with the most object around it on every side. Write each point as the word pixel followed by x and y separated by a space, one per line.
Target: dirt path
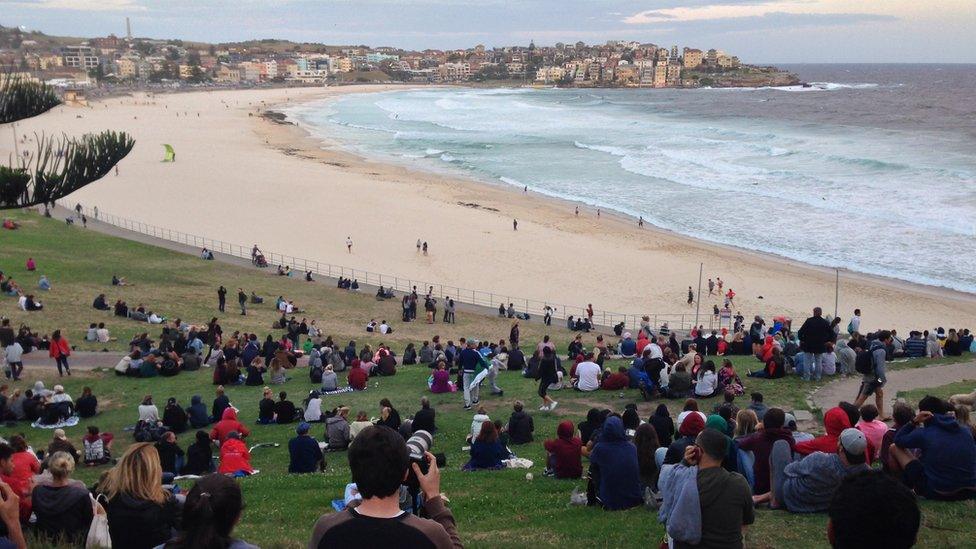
pixel 900 380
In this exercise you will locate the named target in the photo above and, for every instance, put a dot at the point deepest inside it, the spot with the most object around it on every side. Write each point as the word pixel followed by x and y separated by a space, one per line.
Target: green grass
pixel 943 391
pixel 496 509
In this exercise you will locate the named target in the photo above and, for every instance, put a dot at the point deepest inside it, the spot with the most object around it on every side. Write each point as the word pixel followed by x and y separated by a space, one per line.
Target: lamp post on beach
pixel 701 266
pixel 836 290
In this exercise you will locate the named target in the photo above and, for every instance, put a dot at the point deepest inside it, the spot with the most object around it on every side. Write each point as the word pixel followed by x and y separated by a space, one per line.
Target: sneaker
pixel 543 408
pixel 467 406
pixel 553 406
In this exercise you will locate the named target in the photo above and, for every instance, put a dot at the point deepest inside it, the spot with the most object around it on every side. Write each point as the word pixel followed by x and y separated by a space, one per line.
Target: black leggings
pixel 544 387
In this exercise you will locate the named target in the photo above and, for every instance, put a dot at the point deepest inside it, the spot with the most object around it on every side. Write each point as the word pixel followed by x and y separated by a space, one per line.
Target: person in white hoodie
pixel 480 417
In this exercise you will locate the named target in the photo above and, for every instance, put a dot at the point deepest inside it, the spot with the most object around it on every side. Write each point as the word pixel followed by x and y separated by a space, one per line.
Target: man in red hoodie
pixel 564 453
pixel 228 423
pixel 358 377
pixel 234 456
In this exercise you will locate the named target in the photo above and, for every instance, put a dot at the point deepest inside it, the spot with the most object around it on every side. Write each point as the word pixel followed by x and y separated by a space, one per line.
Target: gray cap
pixel 853 441
pixel 789 421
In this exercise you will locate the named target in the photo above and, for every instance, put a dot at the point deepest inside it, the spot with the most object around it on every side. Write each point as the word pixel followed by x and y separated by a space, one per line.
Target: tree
pixel 60 165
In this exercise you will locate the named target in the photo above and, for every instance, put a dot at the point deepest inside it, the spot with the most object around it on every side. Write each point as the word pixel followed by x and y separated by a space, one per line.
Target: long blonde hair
pixel 745 423
pixel 138 475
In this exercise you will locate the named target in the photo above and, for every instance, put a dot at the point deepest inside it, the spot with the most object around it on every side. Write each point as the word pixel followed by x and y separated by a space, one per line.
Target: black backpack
pixel 864 363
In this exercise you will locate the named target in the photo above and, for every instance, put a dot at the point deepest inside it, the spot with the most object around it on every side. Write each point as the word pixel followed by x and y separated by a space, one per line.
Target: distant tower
pixel 128 29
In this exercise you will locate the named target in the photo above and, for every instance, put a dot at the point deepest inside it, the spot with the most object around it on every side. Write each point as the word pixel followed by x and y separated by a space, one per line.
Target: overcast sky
pixel 774 31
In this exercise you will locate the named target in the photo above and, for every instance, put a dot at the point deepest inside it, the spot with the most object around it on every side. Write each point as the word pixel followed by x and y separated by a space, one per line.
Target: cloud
pixel 77 5
pixel 733 11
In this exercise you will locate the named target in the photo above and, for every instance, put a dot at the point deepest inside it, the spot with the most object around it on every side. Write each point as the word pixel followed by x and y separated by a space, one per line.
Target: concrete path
pixel 899 380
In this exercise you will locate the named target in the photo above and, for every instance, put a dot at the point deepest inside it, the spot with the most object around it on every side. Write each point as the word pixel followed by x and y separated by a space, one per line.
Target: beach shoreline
pixel 316 191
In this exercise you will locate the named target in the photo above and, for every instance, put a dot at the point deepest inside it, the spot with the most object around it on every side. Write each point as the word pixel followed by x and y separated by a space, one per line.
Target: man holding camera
pixel 380 463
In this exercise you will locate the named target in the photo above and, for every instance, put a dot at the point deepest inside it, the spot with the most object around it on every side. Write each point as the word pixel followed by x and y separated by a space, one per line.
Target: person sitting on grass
pixel 197 413
pixel 170 453
pixel 174 417
pixel 266 407
pixel 946 467
pixel 98 446
pixel 873 428
pixel 486 451
pixel 902 414
pixel 564 453
pixel 228 424
pixel 615 382
pixel 761 443
pixel 62 508
pixel 618 485
pixel 199 456
pixel 808 485
pixel 330 381
pixel 337 429
pixel 211 511
pixel 284 409
pixel 357 377
pixel 870 509
pixel 313 407
pixel 646 441
pixel 304 454
pixel 679 383
pixel 441 379
pixel 87 404
pixel 235 458
pixel 424 419
pixel 141 513
pixel 706 385
pixel 520 426
pixel 379 463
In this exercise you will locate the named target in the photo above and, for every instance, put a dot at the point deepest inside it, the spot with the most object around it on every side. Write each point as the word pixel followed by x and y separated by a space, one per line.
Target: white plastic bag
pixel 98 534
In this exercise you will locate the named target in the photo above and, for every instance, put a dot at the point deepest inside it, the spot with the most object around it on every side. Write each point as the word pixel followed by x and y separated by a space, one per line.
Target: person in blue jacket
pixel 946 468
pixel 486 451
pixel 619 483
pixel 304 453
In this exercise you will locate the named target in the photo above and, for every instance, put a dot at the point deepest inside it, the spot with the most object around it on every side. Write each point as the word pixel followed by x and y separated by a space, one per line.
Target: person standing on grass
pixel 874 380
pixel 814 336
pixel 60 351
pixel 242 300
pixel 221 298
pixel 547 376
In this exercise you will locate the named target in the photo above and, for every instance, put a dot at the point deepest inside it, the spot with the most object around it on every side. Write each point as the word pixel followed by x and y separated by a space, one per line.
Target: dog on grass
pixel 968 399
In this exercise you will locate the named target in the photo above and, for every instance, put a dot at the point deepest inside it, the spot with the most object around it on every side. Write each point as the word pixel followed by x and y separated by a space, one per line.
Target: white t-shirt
pixel 384 328
pixel 589 376
pixel 102 335
pixel 655 350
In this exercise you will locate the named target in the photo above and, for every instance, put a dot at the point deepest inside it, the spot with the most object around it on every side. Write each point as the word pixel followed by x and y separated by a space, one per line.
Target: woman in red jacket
pixel 60 351
pixel 235 459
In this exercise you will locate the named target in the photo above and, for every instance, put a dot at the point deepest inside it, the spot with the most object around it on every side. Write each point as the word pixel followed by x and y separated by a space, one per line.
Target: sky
pixel 758 31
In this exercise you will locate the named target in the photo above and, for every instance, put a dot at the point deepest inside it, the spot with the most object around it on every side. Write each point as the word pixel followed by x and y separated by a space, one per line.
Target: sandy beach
pixel 244 179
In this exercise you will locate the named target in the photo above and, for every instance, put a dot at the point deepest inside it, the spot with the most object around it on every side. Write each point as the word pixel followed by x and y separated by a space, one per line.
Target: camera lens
pixel 419 443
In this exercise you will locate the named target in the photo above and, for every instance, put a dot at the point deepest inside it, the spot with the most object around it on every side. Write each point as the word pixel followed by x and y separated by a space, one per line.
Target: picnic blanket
pixel 70 422
pixel 339 391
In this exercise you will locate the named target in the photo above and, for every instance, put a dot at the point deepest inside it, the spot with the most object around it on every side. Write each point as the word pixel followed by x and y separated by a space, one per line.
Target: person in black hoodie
pixel 199 456
pixel 220 404
pixel 197 413
pixel 62 507
pixel 423 420
pixel 174 418
pixel 141 513
pixel 170 453
pixel 814 336
pixel 520 426
pixel 284 409
pixel 266 408
pixel 87 404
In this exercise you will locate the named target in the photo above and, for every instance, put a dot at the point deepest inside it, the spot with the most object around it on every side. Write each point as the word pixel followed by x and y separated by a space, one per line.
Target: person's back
pixel 285 411
pixel 948 454
pixel 566 451
pixel 726 504
pixel 589 376
pixel 337 429
pixel 62 511
pixel 520 427
pixel 619 486
pixel 140 523
pixel 199 456
pixel 809 484
pixel 330 381
pixel 303 452
pixel 424 420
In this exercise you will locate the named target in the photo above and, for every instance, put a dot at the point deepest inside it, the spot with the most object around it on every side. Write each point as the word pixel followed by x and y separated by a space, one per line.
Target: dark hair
pixel 203 438
pixel 853 413
pixel 775 418
pixel 662 411
pixel 729 397
pixel 691 405
pixel 932 404
pixel 725 412
pixel 714 443
pixel 757 397
pixel 6 451
pixel 646 441
pixel 378 460
pixel 209 514
pixel 902 413
pixel 630 418
pixel 869 412
pixel 18 443
pixel 871 509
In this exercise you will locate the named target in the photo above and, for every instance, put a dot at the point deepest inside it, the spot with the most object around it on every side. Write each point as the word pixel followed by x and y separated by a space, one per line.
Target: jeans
pixel 492 376
pixel 779 458
pixel 471 393
pixel 62 362
pixel 813 366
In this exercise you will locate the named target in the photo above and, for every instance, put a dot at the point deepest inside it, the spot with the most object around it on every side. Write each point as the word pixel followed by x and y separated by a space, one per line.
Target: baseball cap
pixel 302 428
pixel 789 421
pixel 853 441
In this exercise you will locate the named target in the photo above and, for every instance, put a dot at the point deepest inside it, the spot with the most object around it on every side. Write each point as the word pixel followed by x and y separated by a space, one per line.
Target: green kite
pixel 170 154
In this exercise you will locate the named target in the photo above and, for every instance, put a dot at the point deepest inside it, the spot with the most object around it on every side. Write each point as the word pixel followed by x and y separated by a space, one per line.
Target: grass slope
pixel 497 509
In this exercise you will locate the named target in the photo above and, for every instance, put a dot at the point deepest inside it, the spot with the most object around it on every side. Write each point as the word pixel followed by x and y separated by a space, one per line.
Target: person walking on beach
pixel 598 212
pixel 515 224
pixel 589 312
pixel 640 222
pixel 221 298
pixel 855 324
pixel 418 245
pixel 711 287
pixel 96 207
pixel 60 351
pixel 425 248
pixel 349 244
pixel 242 300
pixel 691 295
pixel 577 211
pixel 729 298
pixel 720 284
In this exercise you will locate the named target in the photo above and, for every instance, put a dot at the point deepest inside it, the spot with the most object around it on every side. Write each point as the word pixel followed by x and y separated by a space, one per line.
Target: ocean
pixel 872 168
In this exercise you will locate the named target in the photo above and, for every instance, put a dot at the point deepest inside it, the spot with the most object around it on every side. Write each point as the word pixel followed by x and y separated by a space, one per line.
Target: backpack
pixel 850 327
pixel 864 363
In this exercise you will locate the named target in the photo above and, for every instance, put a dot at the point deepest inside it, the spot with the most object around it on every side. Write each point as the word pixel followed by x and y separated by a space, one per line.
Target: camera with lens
pixel 417 447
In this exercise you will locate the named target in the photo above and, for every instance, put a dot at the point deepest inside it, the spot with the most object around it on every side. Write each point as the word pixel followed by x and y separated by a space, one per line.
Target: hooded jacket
pixel 520 428
pixel 760 443
pixel 141 524
pixel 835 421
pixel 62 511
pixel 809 484
pixel 337 432
pixel 358 378
pixel 566 451
pixel 228 422
pixel 197 413
pixel 948 453
pixel 234 457
pixel 619 486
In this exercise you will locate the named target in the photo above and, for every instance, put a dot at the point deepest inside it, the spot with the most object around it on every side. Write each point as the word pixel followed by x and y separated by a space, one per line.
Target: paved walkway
pixel 899 380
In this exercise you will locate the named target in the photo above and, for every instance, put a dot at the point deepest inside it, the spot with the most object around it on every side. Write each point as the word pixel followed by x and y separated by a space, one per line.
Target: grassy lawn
pixel 943 392
pixel 496 509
